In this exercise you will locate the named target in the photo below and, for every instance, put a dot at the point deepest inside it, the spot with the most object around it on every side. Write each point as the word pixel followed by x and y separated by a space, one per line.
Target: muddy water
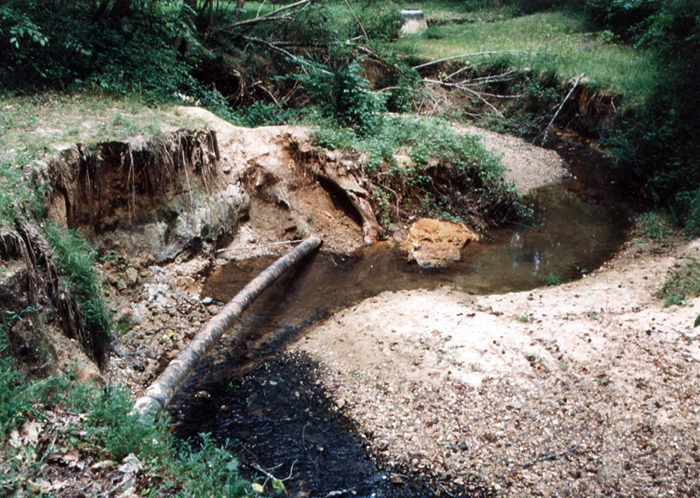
pixel 268 402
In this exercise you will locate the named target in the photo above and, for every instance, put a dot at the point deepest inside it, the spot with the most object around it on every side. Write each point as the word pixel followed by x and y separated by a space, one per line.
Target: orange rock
pixel 433 242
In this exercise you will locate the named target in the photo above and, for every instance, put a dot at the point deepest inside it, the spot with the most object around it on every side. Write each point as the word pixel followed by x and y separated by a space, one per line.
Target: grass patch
pixel 75 259
pixel 549 42
pixel 681 283
pixel 654 226
pixel 32 127
pixel 98 423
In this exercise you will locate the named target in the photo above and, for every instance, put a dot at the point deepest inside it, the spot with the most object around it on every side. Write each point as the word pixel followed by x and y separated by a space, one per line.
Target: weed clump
pixel 74 260
pixel 681 283
pixel 653 226
pixel 15 398
pixel 100 423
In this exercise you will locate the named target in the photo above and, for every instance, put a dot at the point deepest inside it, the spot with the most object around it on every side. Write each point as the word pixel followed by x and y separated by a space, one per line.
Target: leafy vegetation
pixel 100 422
pixel 15 397
pixel 552 279
pixel 656 151
pixel 681 283
pixel 343 94
pixel 443 173
pixel 654 226
pixel 43 45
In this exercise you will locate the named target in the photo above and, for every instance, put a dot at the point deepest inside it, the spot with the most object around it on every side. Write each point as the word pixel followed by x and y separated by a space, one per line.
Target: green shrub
pixel 113 427
pixel 691 205
pixel 263 114
pixel 209 469
pixel 381 21
pixel 342 93
pixel 315 24
pixel 67 45
pixel 404 84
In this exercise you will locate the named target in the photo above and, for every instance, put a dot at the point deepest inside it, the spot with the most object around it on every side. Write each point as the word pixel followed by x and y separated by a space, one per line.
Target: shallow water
pixel 269 404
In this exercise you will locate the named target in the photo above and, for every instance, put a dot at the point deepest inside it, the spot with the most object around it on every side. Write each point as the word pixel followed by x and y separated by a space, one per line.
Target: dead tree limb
pixel 357 20
pixel 159 394
pixel 284 52
pixel 549 457
pixel 270 16
pixel 463 56
pixel 466 89
pixel 561 106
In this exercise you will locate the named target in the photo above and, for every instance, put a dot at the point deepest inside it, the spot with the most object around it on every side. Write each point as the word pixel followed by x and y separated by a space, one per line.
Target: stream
pixel 268 403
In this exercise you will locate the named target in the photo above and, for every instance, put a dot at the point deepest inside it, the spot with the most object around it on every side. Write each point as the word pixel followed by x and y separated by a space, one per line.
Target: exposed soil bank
pixel 584 389
pixel 283 191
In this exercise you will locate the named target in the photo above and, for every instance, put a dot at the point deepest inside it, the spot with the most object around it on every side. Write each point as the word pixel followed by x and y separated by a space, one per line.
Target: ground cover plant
pixel 683 282
pixel 58 420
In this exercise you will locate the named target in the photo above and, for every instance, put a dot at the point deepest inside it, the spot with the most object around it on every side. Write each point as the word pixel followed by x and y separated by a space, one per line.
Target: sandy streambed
pixel 584 389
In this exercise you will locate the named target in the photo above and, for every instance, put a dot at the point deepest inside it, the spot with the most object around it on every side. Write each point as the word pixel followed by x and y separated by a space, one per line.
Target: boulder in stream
pixel 433 242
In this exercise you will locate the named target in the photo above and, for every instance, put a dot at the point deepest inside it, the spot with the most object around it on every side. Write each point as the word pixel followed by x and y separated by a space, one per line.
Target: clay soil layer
pixel 584 389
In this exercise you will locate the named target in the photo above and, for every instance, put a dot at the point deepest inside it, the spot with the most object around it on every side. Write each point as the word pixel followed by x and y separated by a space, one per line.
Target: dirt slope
pixel 585 389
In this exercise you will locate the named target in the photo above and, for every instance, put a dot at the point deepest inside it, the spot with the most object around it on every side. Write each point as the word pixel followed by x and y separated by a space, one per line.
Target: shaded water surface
pixel 268 403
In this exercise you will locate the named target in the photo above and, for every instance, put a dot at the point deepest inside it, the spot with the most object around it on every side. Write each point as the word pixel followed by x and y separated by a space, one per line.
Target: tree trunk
pixel 202 22
pixel 121 8
pixel 159 394
pixel 239 9
pixel 102 9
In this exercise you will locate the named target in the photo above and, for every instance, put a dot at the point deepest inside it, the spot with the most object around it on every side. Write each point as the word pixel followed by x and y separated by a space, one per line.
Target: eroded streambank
pixel 390 364
pixel 278 190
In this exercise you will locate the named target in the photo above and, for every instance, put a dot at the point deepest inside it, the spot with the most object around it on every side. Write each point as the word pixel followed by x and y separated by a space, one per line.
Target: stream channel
pixel 269 404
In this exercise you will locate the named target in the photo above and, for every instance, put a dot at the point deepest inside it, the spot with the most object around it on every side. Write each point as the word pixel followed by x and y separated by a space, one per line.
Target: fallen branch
pixel 466 89
pixel 463 56
pixel 549 457
pixel 159 394
pixel 259 84
pixel 270 476
pixel 357 20
pixel 561 106
pixel 288 54
pixel 270 16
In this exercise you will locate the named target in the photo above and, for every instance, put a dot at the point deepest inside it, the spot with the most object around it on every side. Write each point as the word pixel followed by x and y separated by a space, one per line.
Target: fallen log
pixel 159 394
